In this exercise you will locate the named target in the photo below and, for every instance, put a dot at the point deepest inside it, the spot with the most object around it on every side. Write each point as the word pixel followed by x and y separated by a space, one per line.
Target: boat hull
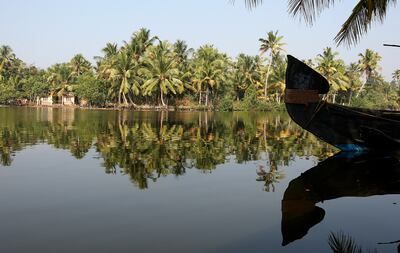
pixel 347 128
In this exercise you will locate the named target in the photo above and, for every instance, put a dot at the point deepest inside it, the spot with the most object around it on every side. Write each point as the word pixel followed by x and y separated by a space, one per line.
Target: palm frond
pixel 341 243
pixel 250 3
pixel 363 15
pixel 308 9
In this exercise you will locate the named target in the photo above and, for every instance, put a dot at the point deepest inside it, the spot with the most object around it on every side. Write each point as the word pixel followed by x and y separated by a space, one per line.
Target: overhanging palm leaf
pixel 357 24
pixel 361 18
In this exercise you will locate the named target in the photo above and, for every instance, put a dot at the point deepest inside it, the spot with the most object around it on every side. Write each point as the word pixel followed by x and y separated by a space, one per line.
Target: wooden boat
pixel 347 128
pixel 342 175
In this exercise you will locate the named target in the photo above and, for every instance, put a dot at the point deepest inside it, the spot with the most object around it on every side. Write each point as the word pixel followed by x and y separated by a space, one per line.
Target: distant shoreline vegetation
pixel 146 72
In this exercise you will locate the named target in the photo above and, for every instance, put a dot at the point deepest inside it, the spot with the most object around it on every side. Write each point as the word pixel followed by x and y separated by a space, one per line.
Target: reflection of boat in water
pixel 336 177
pixel 347 128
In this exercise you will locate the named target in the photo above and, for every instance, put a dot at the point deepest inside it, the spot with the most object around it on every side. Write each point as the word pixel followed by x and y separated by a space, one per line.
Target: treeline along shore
pixel 146 72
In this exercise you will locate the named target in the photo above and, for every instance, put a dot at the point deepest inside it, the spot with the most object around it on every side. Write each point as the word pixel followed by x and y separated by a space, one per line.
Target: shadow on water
pixel 343 175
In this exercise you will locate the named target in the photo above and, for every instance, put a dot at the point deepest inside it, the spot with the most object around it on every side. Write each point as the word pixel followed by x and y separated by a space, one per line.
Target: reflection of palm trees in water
pixel 341 243
pixel 270 178
pixel 150 145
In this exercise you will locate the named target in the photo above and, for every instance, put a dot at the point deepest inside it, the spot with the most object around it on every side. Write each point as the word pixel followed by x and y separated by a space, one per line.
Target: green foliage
pixel 382 96
pixel 250 100
pixel 363 15
pixel 333 70
pixel 92 90
pixel 209 71
pixel 226 104
pixel 7 94
pixel 161 72
pixel 145 72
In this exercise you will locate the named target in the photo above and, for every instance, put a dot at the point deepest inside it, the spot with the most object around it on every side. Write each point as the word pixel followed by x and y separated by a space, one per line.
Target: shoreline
pixel 142 108
pixel 117 108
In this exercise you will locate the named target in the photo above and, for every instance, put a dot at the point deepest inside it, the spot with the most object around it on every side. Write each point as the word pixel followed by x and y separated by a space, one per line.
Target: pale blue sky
pixel 43 32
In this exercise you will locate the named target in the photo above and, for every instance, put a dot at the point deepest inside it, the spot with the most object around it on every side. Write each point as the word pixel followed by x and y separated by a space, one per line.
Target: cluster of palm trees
pixel 148 71
pixel 350 82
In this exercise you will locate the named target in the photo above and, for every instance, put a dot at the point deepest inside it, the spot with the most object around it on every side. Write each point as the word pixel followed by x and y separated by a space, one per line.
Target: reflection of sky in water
pixel 53 202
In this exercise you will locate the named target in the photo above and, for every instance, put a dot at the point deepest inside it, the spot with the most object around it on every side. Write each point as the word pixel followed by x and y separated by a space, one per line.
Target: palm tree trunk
pixel 161 120
pixel 161 97
pixel 199 97
pixel 362 86
pixel 207 96
pixel 265 137
pixel 266 79
pixel 350 97
pixel 125 100
pixel 131 101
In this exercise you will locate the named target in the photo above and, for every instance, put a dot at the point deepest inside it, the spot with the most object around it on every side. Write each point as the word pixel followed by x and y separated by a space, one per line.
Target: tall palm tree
pixel 139 42
pixel 396 75
pixel 333 70
pixel 368 64
pixel 209 67
pixel 59 77
pixel 79 65
pixel 110 50
pixel 353 75
pixel 160 69
pixel 245 73
pixel 363 15
pixel 182 51
pixel 6 53
pixel 272 44
pixel 6 58
pixel 278 76
pixel 122 72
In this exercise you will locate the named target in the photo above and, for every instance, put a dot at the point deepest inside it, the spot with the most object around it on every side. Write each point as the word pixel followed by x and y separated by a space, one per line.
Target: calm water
pixel 106 181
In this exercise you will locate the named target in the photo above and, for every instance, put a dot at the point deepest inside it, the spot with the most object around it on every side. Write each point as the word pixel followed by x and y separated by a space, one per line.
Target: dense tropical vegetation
pixel 146 72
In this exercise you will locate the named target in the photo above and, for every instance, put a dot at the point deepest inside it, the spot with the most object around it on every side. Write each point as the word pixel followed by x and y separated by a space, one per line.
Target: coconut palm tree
pixel 278 76
pixel 209 68
pixel 79 65
pixel 161 70
pixel 139 42
pixel 396 75
pixel 368 64
pixel 59 77
pixel 122 72
pixel 6 58
pixel 353 75
pixel 6 54
pixel 272 44
pixel 182 51
pixel 110 50
pixel 245 73
pixel 363 15
pixel 333 70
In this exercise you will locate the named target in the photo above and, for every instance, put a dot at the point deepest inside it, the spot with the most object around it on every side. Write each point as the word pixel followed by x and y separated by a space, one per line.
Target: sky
pixel 44 32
